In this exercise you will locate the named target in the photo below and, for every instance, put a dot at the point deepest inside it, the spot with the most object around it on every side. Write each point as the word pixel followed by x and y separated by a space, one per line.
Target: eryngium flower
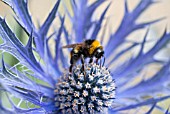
pixel 36 78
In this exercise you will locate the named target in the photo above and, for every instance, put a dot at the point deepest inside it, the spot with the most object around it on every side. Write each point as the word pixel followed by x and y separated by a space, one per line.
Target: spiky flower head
pixel 89 91
pixel 39 83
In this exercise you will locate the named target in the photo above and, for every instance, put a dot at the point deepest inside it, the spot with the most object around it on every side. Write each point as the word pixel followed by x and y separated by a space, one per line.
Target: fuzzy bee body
pixel 88 48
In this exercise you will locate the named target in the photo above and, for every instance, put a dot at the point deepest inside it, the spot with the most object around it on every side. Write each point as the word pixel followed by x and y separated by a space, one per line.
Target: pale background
pixel 39 10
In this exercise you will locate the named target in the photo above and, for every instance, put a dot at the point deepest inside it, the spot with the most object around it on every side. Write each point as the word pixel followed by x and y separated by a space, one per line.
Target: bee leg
pixel 91 60
pixel 100 63
pixel 103 61
pixel 97 61
pixel 72 64
pixel 82 61
pixel 70 69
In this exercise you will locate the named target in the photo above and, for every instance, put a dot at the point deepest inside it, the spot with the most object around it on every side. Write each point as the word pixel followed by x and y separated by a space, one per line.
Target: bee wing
pixel 72 45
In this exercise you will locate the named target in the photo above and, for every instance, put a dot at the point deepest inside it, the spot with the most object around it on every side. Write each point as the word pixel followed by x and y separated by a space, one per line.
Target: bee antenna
pixel 104 60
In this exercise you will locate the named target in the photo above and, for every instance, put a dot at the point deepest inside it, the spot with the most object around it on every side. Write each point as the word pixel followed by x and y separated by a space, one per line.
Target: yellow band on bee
pixel 93 46
pixel 76 49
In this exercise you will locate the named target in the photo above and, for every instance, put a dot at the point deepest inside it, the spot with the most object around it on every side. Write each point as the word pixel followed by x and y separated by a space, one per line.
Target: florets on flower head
pixel 87 92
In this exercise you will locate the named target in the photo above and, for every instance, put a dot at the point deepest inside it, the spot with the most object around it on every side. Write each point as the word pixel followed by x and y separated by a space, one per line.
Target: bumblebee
pixel 87 49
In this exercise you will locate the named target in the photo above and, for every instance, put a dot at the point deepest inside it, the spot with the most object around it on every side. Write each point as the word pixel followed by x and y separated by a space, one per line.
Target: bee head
pixel 99 53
